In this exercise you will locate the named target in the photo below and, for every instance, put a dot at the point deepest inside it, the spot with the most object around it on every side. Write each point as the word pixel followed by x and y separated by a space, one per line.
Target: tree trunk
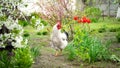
pixel 109 9
pixel 118 13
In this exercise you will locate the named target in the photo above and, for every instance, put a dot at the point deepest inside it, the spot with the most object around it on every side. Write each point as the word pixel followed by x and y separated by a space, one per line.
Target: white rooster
pixel 58 39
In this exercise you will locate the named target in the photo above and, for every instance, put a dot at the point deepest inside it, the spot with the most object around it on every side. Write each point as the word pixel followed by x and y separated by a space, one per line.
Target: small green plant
pixel 4 60
pixel 23 23
pixel 115 58
pixel 44 32
pixel 39 33
pixel 93 31
pixel 98 51
pixel 70 51
pixel 87 48
pixel 21 59
pixel 118 36
pixel 101 30
pixel 113 29
pixel 26 35
pixel 118 29
pixel 35 51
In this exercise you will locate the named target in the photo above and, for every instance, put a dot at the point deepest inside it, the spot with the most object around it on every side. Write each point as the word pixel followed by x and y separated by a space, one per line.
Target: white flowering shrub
pixel 14 51
pixel 15 33
pixel 37 22
pixel 10 29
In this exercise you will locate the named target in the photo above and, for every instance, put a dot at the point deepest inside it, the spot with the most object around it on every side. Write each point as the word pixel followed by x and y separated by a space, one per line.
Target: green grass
pixel 33 32
pixel 30 29
pixel 107 25
pixel 107 22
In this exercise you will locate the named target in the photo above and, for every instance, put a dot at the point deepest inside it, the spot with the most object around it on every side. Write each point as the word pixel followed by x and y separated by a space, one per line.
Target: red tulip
pixel 79 20
pixel 75 17
pixel 88 20
pixel 84 19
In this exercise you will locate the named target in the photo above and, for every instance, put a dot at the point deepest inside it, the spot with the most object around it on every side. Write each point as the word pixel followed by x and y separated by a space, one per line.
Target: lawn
pixel 47 58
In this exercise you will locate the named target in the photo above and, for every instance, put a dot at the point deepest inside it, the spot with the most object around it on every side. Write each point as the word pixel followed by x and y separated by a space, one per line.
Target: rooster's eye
pixel 63 39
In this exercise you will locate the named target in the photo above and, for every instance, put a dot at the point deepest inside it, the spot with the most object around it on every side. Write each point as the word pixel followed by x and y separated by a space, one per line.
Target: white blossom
pixel 21 31
pixel 18 43
pixel 40 27
pixel 26 41
pixel 38 21
pixel 12 25
pixel 7 35
pixel 33 17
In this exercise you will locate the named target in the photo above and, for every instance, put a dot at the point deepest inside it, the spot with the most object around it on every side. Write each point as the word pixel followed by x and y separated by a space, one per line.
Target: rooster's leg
pixel 60 52
pixel 56 54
